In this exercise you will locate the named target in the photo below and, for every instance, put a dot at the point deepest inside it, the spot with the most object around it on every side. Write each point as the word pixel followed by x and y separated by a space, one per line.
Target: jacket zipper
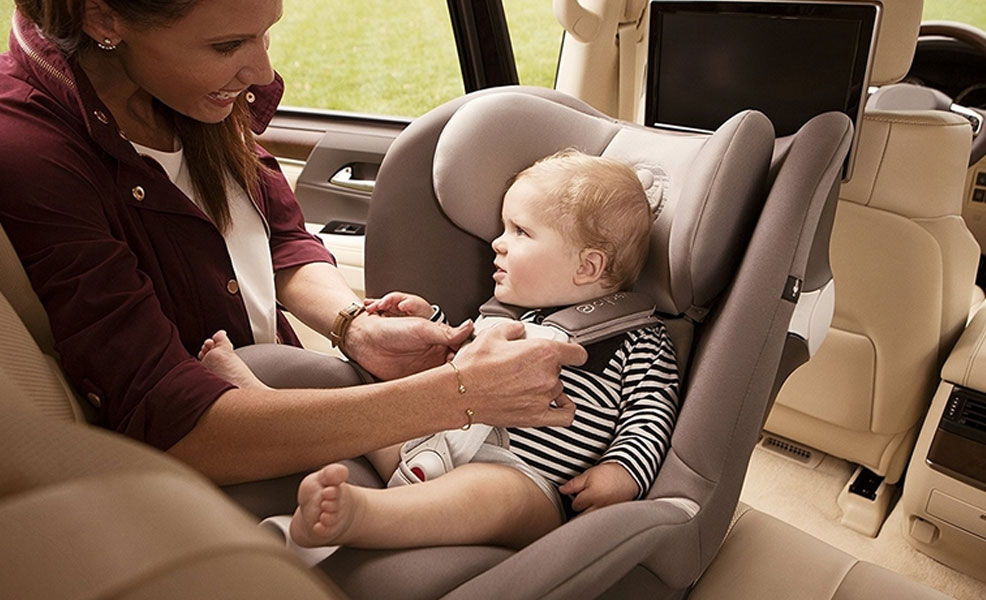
pixel 33 55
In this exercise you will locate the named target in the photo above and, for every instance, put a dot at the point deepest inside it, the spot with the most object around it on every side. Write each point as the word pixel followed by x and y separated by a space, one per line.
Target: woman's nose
pixel 258 71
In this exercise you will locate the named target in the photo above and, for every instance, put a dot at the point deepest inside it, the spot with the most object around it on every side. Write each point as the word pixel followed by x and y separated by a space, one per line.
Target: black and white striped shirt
pixel 626 398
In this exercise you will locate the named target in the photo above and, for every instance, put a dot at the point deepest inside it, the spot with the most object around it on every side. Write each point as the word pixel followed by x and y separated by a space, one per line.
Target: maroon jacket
pixel 132 274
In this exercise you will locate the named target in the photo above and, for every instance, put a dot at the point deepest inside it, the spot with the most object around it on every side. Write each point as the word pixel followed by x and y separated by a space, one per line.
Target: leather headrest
pixel 706 188
pixel 897 35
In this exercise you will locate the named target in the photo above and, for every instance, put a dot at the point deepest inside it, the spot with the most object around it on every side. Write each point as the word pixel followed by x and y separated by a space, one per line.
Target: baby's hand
pixel 604 484
pixel 399 304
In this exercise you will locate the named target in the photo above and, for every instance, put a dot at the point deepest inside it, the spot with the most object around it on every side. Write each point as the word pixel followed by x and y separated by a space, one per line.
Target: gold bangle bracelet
pixel 458 377
pixel 469 414
pixel 462 390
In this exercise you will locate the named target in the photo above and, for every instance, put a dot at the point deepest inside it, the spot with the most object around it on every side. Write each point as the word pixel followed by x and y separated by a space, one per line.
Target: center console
pixel 944 497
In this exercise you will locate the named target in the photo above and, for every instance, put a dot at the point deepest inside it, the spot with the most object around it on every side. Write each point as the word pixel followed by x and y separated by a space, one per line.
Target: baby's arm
pixel 604 484
pixel 399 304
pixel 643 435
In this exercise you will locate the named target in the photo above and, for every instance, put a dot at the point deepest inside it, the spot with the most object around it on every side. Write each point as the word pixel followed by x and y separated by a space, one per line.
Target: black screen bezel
pixel 864 14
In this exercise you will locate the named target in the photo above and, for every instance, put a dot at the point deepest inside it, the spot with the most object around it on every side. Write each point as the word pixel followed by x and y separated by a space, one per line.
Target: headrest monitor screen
pixel 791 60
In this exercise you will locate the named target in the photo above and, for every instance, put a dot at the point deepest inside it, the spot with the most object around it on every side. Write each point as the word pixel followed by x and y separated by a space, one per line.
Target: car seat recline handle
pixel 344 178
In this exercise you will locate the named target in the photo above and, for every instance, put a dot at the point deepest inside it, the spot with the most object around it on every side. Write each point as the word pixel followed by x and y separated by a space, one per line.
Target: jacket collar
pixel 62 79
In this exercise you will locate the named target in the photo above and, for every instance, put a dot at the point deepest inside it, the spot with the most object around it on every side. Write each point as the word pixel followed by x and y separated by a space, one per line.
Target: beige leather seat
pixel 764 557
pixel 86 513
pixel 904 266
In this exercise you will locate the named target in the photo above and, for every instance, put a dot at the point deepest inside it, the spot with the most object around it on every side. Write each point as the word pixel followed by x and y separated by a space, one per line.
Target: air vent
pixel 804 455
pixel 974 415
pixel 965 414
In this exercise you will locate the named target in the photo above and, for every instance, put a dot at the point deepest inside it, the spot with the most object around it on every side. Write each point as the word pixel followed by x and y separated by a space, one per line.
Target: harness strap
pixel 588 322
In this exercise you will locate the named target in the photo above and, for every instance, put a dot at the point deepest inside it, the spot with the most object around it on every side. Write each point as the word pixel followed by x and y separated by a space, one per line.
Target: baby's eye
pixel 520 231
pixel 227 47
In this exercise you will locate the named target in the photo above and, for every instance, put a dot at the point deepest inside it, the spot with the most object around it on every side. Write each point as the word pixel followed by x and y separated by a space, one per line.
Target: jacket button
pixel 232 287
pixel 251 97
pixel 101 116
pixel 138 193
pixel 94 399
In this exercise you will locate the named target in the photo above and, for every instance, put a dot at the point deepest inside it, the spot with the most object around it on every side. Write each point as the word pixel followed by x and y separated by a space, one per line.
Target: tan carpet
pixel 806 498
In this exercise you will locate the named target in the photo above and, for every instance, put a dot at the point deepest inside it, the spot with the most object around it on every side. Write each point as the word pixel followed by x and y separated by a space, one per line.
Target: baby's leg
pixel 477 503
pixel 385 460
pixel 218 356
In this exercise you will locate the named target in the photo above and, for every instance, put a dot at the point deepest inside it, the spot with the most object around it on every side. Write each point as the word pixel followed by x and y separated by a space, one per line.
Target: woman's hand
pixel 399 304
pixel 604 484
pixel 514 382
pixel 395 347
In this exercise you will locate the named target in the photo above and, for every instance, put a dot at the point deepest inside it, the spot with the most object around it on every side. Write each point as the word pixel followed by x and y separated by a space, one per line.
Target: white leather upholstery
pixel 904 266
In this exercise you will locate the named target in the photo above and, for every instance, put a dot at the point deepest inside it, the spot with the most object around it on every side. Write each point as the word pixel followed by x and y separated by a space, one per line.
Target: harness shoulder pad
pixel 605 317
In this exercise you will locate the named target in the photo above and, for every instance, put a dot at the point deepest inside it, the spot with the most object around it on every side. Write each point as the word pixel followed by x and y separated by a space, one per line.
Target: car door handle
pixel 344 178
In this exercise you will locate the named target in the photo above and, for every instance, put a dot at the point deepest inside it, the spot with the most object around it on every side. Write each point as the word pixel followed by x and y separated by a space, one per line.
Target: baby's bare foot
pixel 218 356
pixel 328 508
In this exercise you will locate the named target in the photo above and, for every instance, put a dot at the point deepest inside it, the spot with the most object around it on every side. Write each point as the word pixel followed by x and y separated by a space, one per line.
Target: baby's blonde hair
pixel 599 203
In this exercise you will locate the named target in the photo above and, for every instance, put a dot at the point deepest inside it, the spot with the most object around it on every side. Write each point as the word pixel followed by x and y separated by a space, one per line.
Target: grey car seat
pixel 739 218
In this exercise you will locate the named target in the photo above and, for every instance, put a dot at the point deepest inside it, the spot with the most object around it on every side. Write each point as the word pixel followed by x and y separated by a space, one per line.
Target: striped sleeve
pixel 437 315
pixel 649 392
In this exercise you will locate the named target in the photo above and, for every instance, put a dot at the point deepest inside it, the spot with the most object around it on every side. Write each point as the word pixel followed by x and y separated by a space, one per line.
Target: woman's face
pixel 199 64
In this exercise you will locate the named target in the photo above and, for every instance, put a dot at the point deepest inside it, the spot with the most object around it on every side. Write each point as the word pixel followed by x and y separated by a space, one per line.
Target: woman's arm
pixel 255 434
pixel 389 347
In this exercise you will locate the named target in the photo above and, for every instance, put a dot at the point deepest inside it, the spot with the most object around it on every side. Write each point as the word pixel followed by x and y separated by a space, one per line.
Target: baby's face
pixel 535 264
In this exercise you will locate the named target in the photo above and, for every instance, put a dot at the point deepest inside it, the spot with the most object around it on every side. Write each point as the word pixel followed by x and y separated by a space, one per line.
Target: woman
pixel 140 206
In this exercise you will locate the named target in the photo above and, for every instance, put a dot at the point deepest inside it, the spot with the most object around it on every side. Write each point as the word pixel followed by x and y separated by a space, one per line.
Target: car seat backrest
pixel 705 190
pixel 28 376
pixel 904 265
pixel 86 513
pixel 16 287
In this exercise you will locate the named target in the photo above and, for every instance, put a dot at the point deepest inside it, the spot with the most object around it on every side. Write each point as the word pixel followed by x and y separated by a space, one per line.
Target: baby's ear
pixel 592 263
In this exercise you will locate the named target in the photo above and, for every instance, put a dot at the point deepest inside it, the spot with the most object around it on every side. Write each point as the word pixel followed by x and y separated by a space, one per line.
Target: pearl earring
pixel 107 44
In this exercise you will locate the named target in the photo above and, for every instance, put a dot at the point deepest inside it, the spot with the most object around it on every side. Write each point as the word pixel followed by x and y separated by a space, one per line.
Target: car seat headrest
pixel 705 189
pixel 896 40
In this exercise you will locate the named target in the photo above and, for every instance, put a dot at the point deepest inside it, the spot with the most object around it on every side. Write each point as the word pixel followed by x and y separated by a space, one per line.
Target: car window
pixel 6 11
pixel 972 12
pixel 384 57
pixel 394 58
pixel 536 39
pixel 372 56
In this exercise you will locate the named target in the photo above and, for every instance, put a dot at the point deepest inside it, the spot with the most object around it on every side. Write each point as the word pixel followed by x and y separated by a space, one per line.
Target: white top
pixel 246 241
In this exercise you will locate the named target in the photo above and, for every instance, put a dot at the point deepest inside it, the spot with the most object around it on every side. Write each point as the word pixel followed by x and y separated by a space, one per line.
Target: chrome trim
pixel 975 119
pixel 344 178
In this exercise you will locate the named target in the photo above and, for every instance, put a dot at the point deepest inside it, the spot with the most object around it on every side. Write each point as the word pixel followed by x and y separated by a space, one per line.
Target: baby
pixel 576 228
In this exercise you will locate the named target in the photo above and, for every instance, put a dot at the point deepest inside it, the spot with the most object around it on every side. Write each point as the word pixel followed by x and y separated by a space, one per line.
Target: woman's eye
pixel 227 47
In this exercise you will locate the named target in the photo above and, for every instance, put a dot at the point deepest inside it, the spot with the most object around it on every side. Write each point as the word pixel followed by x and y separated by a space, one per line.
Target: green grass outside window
pixel 397 58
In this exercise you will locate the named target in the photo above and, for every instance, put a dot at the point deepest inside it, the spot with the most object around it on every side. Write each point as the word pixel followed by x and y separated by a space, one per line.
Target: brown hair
pixel 598 203
pixel 213 150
